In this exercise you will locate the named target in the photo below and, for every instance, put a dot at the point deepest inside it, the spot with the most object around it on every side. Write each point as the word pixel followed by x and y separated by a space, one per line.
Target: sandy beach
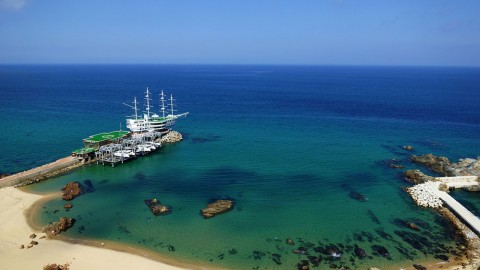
pixel 15 230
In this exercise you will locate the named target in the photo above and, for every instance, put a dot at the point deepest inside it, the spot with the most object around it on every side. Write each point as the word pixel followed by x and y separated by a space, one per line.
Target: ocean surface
pixel 303 150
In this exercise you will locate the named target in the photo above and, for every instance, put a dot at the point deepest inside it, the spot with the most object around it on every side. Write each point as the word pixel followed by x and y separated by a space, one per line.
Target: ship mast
pixel 171 104
pixel 135 107
pixel 162 99
pixel 147 103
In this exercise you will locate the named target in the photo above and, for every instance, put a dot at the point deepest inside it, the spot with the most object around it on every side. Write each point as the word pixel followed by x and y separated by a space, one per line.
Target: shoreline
pixel 17 206
pixel 19 209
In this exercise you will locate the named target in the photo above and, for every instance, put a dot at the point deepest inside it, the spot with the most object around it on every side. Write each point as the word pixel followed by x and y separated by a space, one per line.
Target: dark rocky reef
pixel 217 207
pixel 417 177
pixel 71 190
pixel 59 226
pixel 437 164
pixel 157 208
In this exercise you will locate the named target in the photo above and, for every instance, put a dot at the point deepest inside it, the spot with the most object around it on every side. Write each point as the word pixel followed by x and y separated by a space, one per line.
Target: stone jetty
pixel 41 173
pixel 426 194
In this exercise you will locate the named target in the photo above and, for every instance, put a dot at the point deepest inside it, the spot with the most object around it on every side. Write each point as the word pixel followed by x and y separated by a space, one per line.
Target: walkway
pixel 38 172
pixel 459 209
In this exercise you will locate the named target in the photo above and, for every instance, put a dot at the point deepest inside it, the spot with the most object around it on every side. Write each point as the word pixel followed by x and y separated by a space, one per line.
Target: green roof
pixel 82 151
pixel 106 136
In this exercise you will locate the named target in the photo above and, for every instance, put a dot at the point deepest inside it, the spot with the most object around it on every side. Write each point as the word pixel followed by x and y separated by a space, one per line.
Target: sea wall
pixel 41 173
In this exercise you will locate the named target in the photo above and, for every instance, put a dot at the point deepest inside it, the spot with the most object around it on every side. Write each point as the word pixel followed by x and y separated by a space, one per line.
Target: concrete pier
pixel 461 211
pixel 40 172
pixel 428 194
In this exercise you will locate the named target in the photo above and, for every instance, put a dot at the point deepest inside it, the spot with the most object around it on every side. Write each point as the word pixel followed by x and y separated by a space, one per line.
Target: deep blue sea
pixel 295 146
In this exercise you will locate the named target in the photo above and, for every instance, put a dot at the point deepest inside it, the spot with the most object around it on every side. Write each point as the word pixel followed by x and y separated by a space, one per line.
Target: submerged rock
pixel 71 190
pixel 413 226
pixel 289 241
pixel 357 196
pixel 57 227
pixel 68 206
pixel 217 207
pixel 396 166
pixel 419 267
pixel 359 252
pixel 380 250
pixel 408 147
pixel 157 208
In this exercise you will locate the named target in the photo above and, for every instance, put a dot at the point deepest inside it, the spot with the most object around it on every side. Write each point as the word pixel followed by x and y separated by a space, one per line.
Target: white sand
pixel 15 231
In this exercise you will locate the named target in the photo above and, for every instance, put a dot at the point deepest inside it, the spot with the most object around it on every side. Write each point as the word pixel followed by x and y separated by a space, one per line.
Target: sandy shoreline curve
pixel 17 213
pixel 15 231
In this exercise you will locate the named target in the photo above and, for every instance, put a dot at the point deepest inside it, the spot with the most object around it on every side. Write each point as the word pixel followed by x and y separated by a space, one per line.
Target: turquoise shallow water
pixel 294 146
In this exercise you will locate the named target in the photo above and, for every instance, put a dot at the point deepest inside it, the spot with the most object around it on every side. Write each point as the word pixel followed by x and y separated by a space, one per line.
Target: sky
pixel 300 32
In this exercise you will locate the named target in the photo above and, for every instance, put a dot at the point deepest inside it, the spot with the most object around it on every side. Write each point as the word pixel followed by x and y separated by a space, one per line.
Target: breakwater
pixel 40 173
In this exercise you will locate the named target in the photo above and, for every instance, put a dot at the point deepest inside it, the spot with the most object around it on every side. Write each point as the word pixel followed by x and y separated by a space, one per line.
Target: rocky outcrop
pixel 408 147
pixel 466 166
pixel 172 137
pixel 438 164
pixel 57 227
pixel 417 177
pixel 217 207
pixel 472 188
pixel 157 208
pixel 54 266
pixel 67 206
pixel 71 190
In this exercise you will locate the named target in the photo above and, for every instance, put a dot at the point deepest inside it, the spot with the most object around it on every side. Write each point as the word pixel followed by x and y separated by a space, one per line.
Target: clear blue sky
pixel 323 32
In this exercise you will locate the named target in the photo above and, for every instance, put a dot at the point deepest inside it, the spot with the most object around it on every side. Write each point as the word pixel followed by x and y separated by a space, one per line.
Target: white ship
pixel 152 121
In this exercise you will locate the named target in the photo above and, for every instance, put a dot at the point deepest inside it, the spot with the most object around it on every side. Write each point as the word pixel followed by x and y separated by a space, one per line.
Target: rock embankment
pixel 172 137
pixel 473 241
pixel 426 195
pixel 217 207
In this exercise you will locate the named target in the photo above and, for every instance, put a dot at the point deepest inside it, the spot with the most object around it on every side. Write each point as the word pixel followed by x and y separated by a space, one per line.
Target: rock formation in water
pixel 217 207
pixel 157 208
pixel 417 177
pixel 438 164
pixel 466 166
pixel 59 226
pixel 71 190
pixel 172 137
pixel 408 147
